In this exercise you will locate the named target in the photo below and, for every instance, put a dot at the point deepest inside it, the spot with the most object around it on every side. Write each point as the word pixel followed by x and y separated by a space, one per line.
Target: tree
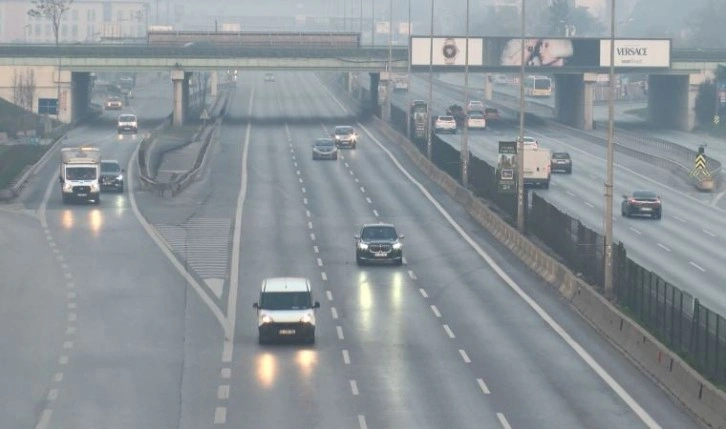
pixel 704 28
pixel 658 18
pixel 498 20
pixel 51 10
pixel 561 19
pixel 706 101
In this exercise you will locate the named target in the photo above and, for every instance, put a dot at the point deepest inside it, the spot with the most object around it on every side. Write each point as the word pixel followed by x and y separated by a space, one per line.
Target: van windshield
pixel 285 300
pixel 81 173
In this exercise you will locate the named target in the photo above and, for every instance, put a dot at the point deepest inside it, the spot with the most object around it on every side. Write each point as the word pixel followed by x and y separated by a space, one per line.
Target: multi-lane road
pixel 682 247
pixel 138 313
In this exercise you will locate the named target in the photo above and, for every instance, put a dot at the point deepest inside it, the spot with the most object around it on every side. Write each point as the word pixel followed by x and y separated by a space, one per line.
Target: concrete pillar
pixel 569 99
pixel 668 101
pixel 488 86
pixel 80 95
pixel 375 80
pixel 349 81
pixel 177 78
pixel 213 82
pixel 63 81
pixel 589 80
pixel 186 107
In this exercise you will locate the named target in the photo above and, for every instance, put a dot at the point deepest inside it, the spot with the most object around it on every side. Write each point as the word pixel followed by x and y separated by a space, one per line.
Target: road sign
pixel 700 162
pixel 205 115
pixel 506 169
pixel 716 119
pixel 700 171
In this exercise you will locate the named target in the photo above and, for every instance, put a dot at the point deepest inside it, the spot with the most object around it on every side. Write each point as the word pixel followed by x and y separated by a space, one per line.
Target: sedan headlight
pixel 308 318
pixel 266 319
pixel 362 246
pixel 120 177
pixel 397 245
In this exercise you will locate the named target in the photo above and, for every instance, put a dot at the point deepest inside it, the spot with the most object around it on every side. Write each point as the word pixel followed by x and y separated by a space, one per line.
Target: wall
pixel 668 101
pixel 45 84
pixel 570 99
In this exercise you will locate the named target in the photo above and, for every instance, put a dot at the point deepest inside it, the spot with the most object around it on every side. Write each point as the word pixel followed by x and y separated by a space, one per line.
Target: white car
pixel 127 123
pixel 269 77
pixel 476 121
pixel 528 141
pixel 286 309
pixel 475 106
pixel 445 124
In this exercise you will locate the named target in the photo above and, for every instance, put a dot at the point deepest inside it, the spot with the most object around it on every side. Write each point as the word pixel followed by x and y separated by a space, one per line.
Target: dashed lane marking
pixel 464 356
pixel 707 232
pixel 223 391
pixel 664 247
pixel 362 421
pixel 324 276
pixel 329 295
pixel 436 311
pixel 423 293
pixel 334 312
pixel 412 275
pixel 503 421
pixel 354 387
pixel 375 212
pixel 697 266
pixel 449 332
pixel 483 386
pixel 346 357
pixel 220 415
pixel 635 231
pixel 340 332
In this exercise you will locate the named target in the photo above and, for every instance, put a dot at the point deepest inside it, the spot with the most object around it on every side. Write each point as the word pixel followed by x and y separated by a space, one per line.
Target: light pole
pixel 608 217
pixel 465 132
pixel 360 19
pixel 373 23
pixel 431 84
pixel 520 140
pixel 408 77
pixel 389 84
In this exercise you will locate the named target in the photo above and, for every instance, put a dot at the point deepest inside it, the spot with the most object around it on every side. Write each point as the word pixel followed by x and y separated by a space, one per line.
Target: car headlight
pixel 94 186
pixel 362 246
pixel 266 319
pixel 67 187
pixel 120 177
pixel 308 318
pixel 397 245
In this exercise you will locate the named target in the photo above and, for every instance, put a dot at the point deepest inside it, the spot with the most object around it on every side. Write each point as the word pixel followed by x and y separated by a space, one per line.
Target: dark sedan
pixel 378 242
pixel 561 161
pixel 112 178
pixel 642 203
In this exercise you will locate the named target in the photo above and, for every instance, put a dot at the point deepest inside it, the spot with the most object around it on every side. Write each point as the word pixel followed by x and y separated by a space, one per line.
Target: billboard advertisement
pixel 383 27
pixel 447 51
pixel 542 52
pixel 507 167
pixel 637 53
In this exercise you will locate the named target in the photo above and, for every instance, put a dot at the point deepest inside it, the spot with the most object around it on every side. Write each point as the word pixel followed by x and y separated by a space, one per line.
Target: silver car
pixel 325 148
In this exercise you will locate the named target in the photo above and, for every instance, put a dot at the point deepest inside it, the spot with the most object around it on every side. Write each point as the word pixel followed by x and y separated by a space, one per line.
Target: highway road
pixel 683 247
pixel 142 306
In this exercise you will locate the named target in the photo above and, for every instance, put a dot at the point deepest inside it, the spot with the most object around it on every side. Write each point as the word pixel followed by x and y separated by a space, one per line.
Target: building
pixel 85 21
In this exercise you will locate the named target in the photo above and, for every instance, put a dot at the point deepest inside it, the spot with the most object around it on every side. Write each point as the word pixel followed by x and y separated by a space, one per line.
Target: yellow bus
pixel 538 86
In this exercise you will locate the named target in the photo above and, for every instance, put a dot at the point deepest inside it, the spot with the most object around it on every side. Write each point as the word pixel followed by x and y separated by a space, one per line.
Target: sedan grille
pixel 380 247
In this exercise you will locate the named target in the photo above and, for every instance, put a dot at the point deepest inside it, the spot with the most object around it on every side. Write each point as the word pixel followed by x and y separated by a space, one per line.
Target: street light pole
pixel 389 84
pixel 360 20
pixel 373 23
pixel 608 216
pixel 408 77
pixel 431 84
pixel 465 132
pixel 520 140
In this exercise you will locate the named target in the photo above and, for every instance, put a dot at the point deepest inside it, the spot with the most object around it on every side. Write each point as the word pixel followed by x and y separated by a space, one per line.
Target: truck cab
pixel 80 170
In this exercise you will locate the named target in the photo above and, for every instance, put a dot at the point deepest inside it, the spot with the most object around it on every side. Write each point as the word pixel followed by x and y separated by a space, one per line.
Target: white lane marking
pixel 340 332
pixel 220 415
pixel 375 212
pixel 67 345
pixel 354 387
pixel 346 357
pixel 71 330
pixel 298 172
pixel 227 351
pixel 58 377
pixel 312 236
pixel 718 198
pixel 63 360
pixel 412 275
pixel 223 391
pixel 697 266
pixel 305 201
pixel 334 312
pixel 584 355
pixel 51 243
pixel 356 179
pixel 70 285
pixel 570 193
pixel 59 258
pixel 351 173
pixel 324 276
pixel 404 261
pixel 307 213
pixel 679 219
pixel 68 275
pixel 664 247
pixel 316 249
pixel 320 262
pixel 362 189
pixel 423 293
pixel 436 311
pixel 503 421
pixel 300 179
pixel 72 317
pixel 71 305
pixel 71 295
pixel 295 164
pixel 635 231
pixel 464 356
pixel 44 419
pixel 225 373
pixel 362 421
pixel 707 232
pixel 329 294
pixel 303 190
pixel 483 386
pixel 52 394
pixel 310 225
pixel 346 165
pixel 449 332
pixel 369 200
pixel 589 204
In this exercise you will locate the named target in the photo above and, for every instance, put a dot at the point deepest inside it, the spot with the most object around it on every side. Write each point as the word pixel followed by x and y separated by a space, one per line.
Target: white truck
pixel 80 170
pixel 537 165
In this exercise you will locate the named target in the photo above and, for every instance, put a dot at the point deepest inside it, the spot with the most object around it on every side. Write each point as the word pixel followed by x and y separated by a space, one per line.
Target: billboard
pixel 637 53
pixel 383 27
pixel 542 52
pixel 404 28
pixel 507 167
pixel 447 51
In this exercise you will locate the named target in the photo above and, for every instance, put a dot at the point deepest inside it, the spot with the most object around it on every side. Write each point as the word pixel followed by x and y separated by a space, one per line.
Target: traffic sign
pixel 700 163
pixel 716 119
pixel 205 115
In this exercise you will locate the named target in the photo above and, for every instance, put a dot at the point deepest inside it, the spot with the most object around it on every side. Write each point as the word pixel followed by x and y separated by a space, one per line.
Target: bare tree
pixel 17 88
pixel 51 10
pixel 29 86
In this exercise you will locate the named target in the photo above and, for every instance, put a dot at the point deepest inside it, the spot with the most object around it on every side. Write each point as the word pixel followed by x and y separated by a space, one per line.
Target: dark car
pixel 561 161
pixel 345 135
pixel 112 178
pixel 645 203
pixel 378 242
pixel 325 149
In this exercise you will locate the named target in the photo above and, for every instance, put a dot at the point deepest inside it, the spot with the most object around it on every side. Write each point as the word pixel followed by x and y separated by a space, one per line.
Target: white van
pixel 537 166
pixel 286 310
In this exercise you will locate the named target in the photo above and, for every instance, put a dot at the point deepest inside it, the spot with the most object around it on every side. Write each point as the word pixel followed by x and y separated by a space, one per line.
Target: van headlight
pixel 94 187
pixel 308 318
pixel 362 246
pixel 67 187
pixel 120 177
pixel 266 319
pixel 397 245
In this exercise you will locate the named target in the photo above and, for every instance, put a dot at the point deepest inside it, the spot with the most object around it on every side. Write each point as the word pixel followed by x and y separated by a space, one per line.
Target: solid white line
pixel 423 293
pixel 635 231
pixel 375 212
pixel 483 386
pixel 354 387
pixel 464 356
pixel 449 332
pixel 584 355
pixel 334 312
pixel 412 275
pixel 225 373
pixel 362 421
pixel 324 276
pixel 44 419
pixel 589 204
pixel 329 294
pixel 697 266
pixel 320 262
pixel 223 391
pixel 707 232
pixel 346 357
pixel 436 311
pixel 503 421
pixel 340 332
pixel 664 247
pixel 315 248
pixel 220 415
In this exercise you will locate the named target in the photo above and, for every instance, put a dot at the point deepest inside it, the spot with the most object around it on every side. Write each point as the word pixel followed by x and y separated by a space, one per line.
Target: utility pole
pixel 608 215
pixel 408 77
pixel 520 140
pixel 429 143
pixel 464 152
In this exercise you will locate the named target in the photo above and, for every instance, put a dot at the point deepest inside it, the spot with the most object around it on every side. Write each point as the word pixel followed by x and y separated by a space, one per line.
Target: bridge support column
pixel 177 78
pixel 213 82
pixel 374 106
pixel 588 100
pixel 570 100
pixel 488 87
pixel 668 101
pixel 349 82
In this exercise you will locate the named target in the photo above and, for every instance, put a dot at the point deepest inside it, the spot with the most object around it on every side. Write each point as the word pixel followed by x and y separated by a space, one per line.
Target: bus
pixel 538 86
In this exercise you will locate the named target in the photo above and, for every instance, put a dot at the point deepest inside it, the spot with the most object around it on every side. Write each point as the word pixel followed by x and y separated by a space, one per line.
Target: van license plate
pixel 82 195
pixel 287 332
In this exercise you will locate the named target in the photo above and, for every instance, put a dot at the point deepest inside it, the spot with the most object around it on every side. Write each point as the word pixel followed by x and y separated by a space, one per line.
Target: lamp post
pixel 360 19
pixel 465 132
pixel 373 23
pixel 520 140
pixel 431 84
pixel 608 216
pixel 408 77
pixel 389 83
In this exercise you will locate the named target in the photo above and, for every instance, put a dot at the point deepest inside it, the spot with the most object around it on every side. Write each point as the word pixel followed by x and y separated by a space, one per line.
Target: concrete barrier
pixel 671 372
